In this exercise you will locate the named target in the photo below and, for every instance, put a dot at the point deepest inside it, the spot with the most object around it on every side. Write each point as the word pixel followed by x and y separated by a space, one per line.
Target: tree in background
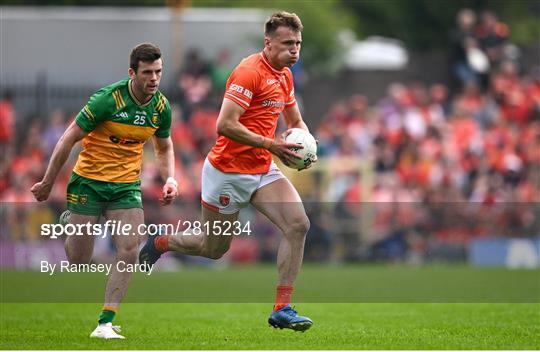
pixel 420 24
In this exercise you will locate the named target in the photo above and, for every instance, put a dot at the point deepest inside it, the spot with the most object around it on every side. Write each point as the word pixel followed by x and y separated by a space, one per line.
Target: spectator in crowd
pixel 462 41
pixel 532 89
pixel 53 131
pixel 220 70
pixel 492 36
pixel 194 82
pixel 7 120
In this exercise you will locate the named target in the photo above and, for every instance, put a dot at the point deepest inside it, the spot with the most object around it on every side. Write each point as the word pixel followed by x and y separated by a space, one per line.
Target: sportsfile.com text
pixel 182 227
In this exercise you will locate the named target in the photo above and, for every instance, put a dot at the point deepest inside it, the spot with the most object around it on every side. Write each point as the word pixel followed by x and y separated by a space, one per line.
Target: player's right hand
pixel 41 191
pixel 283 151
pixel 169 193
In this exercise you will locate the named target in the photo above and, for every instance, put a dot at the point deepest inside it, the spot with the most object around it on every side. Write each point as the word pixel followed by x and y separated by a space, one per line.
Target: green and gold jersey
pixel 119 127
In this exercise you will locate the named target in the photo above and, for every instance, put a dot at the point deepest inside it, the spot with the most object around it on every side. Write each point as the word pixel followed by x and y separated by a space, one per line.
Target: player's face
pixel 146 79
pixel 283 47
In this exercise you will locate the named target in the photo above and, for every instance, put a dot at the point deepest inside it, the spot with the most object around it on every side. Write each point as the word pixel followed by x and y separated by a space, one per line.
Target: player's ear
pixel 267 41
pixel 131 72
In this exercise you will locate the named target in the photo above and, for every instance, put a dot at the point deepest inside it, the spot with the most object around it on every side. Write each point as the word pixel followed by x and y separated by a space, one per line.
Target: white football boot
pixel 107 331
pixel 64 218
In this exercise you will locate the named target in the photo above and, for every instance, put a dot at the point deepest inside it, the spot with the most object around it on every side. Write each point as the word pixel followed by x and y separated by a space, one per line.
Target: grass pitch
pixel 243 326
pixel 508 318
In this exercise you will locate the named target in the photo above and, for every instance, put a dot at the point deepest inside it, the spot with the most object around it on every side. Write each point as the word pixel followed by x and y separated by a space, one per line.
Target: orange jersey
pixel 264 92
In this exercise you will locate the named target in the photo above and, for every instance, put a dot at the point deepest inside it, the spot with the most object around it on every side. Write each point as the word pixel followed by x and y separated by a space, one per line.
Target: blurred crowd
pixel 448 166
pixel 444 164
pixel 444 168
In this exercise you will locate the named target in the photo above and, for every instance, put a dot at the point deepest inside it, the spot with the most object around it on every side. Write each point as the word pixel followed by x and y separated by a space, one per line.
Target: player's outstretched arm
pixel 163 148
pixel 72 135
pixel 228 125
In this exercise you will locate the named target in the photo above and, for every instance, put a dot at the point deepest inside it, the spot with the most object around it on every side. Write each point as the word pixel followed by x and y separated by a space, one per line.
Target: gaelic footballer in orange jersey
pixel 264 93
pixel 240 170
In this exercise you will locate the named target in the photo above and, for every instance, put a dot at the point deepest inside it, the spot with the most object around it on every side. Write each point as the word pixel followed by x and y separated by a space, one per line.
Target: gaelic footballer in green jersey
pixel 118 128
pixel 113 127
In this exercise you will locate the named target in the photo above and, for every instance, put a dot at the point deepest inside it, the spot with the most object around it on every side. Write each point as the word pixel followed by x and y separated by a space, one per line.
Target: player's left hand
pixel 169 194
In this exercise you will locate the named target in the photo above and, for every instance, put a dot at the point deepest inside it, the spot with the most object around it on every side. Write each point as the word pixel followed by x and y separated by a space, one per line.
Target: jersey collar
pixel 134 98
pixel 267 63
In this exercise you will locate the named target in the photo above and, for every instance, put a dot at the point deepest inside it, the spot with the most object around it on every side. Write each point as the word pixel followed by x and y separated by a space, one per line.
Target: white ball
pixel 309 151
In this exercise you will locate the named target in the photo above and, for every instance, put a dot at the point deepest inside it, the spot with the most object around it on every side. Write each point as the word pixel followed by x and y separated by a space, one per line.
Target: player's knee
pixel 78 258
pixel 77 254
pixel 127 254
pixel 299 226
pixel 216 253
pixel 197 247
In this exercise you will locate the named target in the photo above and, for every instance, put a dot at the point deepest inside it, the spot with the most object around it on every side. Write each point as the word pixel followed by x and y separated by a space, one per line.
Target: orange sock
pixel 283 296
pixel 162 243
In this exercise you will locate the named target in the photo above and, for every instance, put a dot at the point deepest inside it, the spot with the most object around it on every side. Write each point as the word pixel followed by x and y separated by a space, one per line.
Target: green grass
pixel 243 326
pixel 316 283
pixel 353 307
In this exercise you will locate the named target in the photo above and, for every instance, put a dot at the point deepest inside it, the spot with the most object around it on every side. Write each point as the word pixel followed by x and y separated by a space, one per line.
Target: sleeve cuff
pixel 82 125
pixel 243 104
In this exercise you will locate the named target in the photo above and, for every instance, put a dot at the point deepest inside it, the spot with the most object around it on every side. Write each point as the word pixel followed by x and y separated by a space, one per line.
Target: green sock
pixel 106 316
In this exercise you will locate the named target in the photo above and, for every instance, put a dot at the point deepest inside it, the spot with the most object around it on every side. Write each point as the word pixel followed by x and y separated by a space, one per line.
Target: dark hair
pixel 145 52
pixel 285 19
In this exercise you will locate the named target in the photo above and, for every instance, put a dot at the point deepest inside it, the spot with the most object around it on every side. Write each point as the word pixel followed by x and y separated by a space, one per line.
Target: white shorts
pixel 228 192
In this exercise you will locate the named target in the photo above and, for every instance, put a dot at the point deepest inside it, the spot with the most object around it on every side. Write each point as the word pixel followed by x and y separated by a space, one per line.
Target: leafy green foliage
pixel 424 24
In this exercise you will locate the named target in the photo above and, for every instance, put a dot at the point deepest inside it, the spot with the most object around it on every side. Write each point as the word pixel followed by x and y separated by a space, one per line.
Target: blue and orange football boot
pixel 288 318
pixel 149 255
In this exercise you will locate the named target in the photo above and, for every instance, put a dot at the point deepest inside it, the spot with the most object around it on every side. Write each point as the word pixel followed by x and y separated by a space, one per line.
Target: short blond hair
pixel 282 19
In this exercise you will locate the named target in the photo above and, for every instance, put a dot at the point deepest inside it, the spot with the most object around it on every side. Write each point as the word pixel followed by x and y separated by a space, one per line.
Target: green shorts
pixel 91 197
